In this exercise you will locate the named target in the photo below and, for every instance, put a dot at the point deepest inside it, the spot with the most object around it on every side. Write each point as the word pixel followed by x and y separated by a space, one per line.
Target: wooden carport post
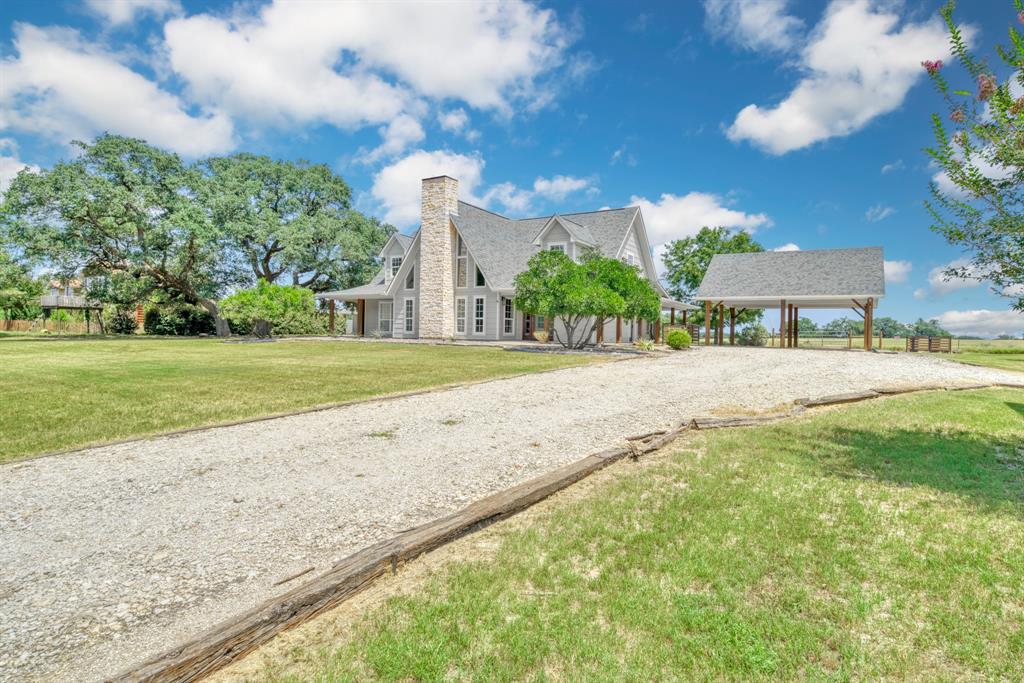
pixel 782 324
pixel 869 307
pixel 796 327
pixel 707 323
pixel 732 326
pixel 330 316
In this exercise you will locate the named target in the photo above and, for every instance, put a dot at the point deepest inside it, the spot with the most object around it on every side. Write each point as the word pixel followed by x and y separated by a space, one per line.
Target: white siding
pixel 631 250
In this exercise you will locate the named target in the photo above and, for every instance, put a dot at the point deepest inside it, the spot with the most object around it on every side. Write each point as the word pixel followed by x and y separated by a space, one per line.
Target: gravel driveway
pixel 112 554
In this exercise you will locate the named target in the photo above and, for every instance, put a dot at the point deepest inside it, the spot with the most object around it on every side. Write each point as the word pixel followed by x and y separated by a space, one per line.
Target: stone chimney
pixel 440 199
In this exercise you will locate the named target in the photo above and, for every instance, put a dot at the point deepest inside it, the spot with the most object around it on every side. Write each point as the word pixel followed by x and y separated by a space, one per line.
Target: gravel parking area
pixel 114 553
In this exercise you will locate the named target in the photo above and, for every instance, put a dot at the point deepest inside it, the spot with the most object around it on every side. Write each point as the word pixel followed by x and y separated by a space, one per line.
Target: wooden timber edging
pixel 238 636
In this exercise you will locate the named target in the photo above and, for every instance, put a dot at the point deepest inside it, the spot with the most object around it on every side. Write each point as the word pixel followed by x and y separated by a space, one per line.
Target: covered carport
pixel 790 281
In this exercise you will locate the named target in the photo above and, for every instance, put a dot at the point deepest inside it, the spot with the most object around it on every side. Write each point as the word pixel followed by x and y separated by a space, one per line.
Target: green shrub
pixel 644 344
pixel 289 310
pixel 678 339
pixel 753 334
pixel 182 320
pixel 123 322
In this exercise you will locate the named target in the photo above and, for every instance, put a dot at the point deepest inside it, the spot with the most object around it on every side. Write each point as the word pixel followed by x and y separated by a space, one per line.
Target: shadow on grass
pixel 1019 407
pixel 983 469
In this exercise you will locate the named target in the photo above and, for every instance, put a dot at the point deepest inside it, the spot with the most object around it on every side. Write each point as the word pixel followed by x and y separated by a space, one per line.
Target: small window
pixel 408 315
pixel 480 282
pixel 396 263
pixel 508 320
pixel 460 315
pixel 462 247
pixel 385 311
pixel 630 260
pixel 478 315
pixel 410 279
pixel 557 247
pixel 461 264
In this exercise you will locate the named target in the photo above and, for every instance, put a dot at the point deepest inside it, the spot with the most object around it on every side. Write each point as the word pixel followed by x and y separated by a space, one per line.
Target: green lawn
pixel 60 394
pixel 884 540
pixel 1002 360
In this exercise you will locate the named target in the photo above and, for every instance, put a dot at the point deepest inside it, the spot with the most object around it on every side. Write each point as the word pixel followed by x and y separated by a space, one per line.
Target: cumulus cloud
pixel 788 246
pixel 940 285
pixel 897 271
pixel 860 63
pixel 118 12
pixel 62 88
pixel 879 213
pixel 10 164
pixel 673 217
pixel 396 187
pixel 753 24
pixel 983 322
pixel 357 63
pixel 453 121
pixel 893 167
pixel 403 131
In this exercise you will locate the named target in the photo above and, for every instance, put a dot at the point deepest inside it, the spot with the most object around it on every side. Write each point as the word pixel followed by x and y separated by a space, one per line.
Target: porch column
pixel 618 329
pixel 732 326
pixel 782 324
pixel 360 329
pixel 672 319
pixel 707 323
pixel 330 316
pixel 684 317
pixel 657 328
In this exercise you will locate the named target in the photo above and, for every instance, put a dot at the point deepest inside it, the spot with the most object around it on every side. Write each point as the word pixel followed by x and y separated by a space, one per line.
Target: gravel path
pixel 112 554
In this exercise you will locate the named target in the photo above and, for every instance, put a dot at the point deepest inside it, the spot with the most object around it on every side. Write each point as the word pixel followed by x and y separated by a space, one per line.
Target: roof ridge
pixel 575 213
pixel 493 213
pixel 796 251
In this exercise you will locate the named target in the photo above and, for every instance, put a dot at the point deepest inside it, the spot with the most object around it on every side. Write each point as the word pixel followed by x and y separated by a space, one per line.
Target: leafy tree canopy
pixel 292 220
pixel 126 209
pixel 983 161
pixel 288 309
pixel 19 291
pixel 581 295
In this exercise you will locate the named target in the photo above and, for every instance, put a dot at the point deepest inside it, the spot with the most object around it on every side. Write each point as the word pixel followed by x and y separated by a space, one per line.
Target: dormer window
pixel 557 247
pixel 396 263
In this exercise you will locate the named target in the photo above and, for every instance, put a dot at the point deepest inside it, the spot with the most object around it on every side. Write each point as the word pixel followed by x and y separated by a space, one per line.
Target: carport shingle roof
pixel 811 273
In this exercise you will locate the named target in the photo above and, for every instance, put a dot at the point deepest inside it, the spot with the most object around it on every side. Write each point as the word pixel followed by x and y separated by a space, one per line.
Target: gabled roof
pixel 578 233
pixel 375 289
pixel 820 273
pixel 502 246
pixel 403 240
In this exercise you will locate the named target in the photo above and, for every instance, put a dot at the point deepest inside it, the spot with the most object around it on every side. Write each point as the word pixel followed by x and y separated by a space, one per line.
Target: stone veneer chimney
pixel 440 199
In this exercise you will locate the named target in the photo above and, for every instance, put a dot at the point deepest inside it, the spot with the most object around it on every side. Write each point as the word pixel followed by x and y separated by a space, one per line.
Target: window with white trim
pixel 384 312
pixel 557 247
pixel 461 264
pixel 478 315
pixel 460 315
pixel 480 281
pixel 509 312
pixel 396 263
pixel 410 279
pixel 409 311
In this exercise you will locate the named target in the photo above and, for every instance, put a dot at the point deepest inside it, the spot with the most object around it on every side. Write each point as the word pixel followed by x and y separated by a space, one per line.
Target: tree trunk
pixel 223 330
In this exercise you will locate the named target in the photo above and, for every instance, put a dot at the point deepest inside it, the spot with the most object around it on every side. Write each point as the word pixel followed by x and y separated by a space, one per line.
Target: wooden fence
pixel 930 344
pixel 51 325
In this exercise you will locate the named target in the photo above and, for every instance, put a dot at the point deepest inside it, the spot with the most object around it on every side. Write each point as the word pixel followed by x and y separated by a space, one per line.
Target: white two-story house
pixel 454 277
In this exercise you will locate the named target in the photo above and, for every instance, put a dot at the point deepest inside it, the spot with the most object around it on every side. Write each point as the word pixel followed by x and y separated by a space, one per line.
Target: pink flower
pixel 930 66
pixel 958 115
pixel 986 86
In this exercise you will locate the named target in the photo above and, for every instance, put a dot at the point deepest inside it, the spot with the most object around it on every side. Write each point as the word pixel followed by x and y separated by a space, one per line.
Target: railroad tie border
pixel 233 639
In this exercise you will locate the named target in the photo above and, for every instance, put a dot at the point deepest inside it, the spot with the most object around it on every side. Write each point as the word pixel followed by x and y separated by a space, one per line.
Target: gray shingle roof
pixel 404 240
pixel 820 272
pixel 502 246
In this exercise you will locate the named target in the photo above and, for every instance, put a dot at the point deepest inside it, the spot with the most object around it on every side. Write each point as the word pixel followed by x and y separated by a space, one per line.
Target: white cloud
pixel 789 246
pixel 673 217
pixel 10 164
pixel 939 285
pixel 396 187
pixel 398 135
pixel 879 213
pixel 62 88
pixel 897 271
pixel 357 63
pixel 119 12
pixel 453 121
pixel 753 24
pixel 983 322
pixel 860 63
pixel 893 167
pixel 622 154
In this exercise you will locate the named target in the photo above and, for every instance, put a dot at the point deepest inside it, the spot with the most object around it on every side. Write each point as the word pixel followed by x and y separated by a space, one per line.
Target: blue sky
pixel 803 122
